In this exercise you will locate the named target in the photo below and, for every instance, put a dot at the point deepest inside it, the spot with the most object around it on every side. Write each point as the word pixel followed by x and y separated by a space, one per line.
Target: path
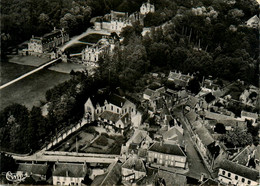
pixel 84 34
pixel 28 73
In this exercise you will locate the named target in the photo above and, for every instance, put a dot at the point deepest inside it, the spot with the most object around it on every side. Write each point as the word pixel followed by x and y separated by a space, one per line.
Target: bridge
pixel 29 73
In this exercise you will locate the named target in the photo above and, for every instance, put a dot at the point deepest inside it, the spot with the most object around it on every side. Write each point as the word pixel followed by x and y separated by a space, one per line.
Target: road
pixel 76 39
pixel 196 165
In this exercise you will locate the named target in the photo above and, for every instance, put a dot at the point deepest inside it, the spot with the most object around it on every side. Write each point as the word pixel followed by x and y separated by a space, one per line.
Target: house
pixel 39 172
pixel 244 156
pixel 68 173
pixel 133 169
pixel 112 109
pixel 179 79
pixel 48 42
pixel 253 22
pixel 249 116
pixel 138 143
pixel 208 148
pixel 235 174
pixel 167 155
pixel 147 8
pixel 174 134
pixel 111 177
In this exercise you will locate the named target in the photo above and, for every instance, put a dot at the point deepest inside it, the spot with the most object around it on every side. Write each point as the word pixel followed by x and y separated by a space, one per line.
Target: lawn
pixel 76 48
pixel 27 60
pixel 30 90
pixel 92 38
pixel 10 71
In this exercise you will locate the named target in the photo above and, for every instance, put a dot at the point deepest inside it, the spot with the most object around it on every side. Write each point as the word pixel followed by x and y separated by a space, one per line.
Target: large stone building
pixel 113 22
pixel 48 42
pixel 231 173
pixel 112 110
pixel 167 155
pixel 91 54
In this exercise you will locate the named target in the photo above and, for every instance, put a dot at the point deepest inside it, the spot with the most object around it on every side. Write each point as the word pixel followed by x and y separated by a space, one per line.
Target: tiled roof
pixel 249 114
pixel 70 169
pixel 110 116
pixel 40 169
pixel 173 132
pixel 204 135
pixel 239 170
pixel 116 100
pixel 98 99
pixel 192 102
pixel 242 157
pixel 167 149
pixel 191 116
pixel 111 177
pixel 148 92
pixel 135 164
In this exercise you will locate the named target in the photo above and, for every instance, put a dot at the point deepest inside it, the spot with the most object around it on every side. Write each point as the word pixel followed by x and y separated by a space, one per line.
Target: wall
pixel 59 180
pixel 230 178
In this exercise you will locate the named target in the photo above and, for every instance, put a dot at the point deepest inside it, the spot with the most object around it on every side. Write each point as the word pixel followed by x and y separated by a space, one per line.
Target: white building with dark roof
pixel 68 173
pixel 235 174
pixel 147 8
pixel 112 109
pixel 47 42
pixel 133 169
pixel 167 155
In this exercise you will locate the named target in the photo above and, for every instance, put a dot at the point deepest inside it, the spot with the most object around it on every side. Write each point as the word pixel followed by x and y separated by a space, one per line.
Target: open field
pixel 92 38
pixel 10 71
pixel 27 60
pixel 30 90
pixel 67 67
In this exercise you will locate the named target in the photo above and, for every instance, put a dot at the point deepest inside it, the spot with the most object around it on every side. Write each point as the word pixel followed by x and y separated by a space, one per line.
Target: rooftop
pixel 204 135
pixel 40 169
pixel 111 177
pixel 135 164
pixel 165 148
pixel 249 114
pixel 239 170
pixel 70 170
pixel 110 116
pixel 116 100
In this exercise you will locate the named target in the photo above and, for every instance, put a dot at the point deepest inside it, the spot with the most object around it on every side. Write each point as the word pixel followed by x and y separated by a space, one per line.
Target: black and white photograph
pixel 130 92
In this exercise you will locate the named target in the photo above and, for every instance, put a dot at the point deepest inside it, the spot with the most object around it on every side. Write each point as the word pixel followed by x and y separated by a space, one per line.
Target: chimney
pixel 67 173
pixel 54 28
pixel 54 167
pixel 32 36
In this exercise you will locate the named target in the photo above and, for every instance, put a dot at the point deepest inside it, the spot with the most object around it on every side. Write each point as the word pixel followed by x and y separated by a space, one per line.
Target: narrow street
pixel 196 165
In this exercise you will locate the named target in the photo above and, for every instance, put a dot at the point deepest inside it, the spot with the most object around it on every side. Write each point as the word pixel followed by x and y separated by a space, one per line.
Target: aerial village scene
pixel 129 92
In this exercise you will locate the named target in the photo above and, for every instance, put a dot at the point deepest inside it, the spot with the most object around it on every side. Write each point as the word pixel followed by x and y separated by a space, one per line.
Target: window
pixel 229 174
pixel 117 110
pixel 111 107
pixel 236 177
pixel 249 182
pixel 155 160
pixel 243 180
pixel 223 172
pixel 105 107
pixel 132 110
pixel 58 183
pixel 97 111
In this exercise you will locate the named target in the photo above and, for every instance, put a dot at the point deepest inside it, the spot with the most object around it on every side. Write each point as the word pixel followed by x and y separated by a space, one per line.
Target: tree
pixel 220 128
pixel 194 85
pixel 238 137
